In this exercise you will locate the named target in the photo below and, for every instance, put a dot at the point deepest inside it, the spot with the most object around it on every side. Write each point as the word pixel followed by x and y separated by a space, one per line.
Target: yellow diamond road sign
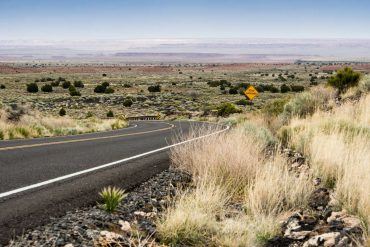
pixel 251 92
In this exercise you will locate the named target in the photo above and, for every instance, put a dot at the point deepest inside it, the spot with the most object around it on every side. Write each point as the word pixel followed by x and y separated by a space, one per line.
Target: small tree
pixel 78 84
pixel 110 114
pixel 127 102
pixel 154 88
pixel 226 109
pixel 344 79
pixel 62 112
pixel 32 87
pixel 47 88
pixel 66 84
pixel 284 88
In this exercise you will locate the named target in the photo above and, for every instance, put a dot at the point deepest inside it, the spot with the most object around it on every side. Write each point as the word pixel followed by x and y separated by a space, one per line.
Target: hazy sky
pixel 135 19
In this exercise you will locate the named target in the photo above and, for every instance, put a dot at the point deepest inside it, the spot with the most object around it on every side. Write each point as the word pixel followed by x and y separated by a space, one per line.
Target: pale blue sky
pixel 135 19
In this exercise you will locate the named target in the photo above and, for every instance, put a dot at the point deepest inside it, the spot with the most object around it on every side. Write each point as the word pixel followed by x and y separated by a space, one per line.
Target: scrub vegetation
pixel 244 186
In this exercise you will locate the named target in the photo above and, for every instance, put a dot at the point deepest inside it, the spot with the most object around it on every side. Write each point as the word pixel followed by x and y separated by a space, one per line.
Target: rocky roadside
pixel 133 223
pixel 320 225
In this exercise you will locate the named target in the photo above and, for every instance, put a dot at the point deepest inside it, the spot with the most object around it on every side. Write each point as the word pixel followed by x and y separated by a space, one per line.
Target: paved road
pixel 46 177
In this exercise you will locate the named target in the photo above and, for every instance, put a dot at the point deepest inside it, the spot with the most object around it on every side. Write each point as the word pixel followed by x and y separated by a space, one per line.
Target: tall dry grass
pixel 33 124
pixel 338 145
pixel 240 168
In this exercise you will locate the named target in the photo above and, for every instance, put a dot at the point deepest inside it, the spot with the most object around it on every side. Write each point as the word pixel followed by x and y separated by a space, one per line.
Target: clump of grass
pixel 112 197
pixel 192 220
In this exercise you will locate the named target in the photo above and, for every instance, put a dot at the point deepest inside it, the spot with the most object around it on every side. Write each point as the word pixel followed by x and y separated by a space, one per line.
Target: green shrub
pixel 344 79
pixel 99 89
pixel 78 84
pixel 32 87
pixel 110 113
pixel 274 89
pixel 89 114
pixel 284 88
pixel 74 93
pixel 1 135
pixel 274 107
pixel 112 197
pixel 109 90
pixel 243 102
pixel 302 105
pixel 233 90
pixel 297 88
pixel 47 88
pixel 259 88
pixel 66 84
pixel 105 84
pixel 127 102
pixel 154 88
pixel 61 79
pixel 55 83
pixel 127 85
pixel 62 112
pixel 2 86
pixel 226 109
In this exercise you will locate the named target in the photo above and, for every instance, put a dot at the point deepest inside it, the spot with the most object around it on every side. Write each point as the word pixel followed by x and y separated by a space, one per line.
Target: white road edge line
pixel 54 180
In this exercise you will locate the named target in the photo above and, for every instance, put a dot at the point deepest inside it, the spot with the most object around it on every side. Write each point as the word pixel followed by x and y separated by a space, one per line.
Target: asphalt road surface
pixel 45 177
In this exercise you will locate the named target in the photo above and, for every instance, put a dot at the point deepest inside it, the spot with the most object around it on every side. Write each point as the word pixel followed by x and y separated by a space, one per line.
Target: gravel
pixel 131 223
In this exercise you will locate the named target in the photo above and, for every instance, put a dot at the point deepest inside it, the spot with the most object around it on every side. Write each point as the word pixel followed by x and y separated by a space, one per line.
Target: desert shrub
pixel 47 88
pixel 74 93
pixel 110 113
pixel 274 107
pixel 66 84
pixel 344 79
pixel 89 114
pixel 302 105
pixel 127 85
pixel 99 89
pixel 297 88
pixel 274 89
pixel 222 87
pixel 243 102
pixel 32 87
pixel 62 112
pixel 2 86
pixel 154 88
pixel 127 102
pixel 226 109
pixel 1 135
pixel 233 90
pixel 281 78
pixel 214 83
pixel 112 197
pixel 104 75
pixel 284 88
pixel 105 84
pixel 55 83
pixel 78 84
pixel 259 88
pixel 109 90
pixel 61 79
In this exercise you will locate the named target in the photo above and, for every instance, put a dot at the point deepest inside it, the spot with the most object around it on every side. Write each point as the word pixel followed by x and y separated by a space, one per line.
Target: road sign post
pixel 251 93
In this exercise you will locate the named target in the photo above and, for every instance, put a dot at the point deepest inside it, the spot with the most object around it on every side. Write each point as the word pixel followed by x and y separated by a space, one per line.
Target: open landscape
pixel 129 123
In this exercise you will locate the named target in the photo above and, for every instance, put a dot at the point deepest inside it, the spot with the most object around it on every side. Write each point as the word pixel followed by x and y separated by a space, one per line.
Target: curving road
pixel 45 177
